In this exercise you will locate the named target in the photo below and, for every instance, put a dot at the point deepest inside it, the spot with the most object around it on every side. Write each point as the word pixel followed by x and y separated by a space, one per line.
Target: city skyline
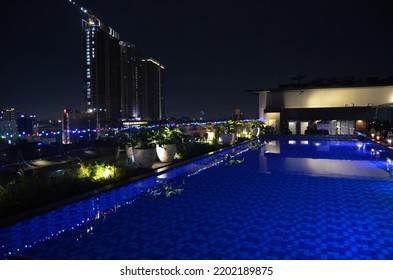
pixel 212 51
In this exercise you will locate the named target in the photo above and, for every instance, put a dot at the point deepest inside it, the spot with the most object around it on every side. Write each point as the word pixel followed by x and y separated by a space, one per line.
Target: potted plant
pixel 210 130
pixel 256 127
pixel 167 141
pixel 141 147
pixel 228 132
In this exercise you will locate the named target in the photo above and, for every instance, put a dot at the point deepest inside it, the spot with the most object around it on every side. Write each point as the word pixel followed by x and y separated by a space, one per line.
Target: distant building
pixel 152 90
pixel 25 124
pixel 117 83
pixel 101 72
pixel 76 123
pixel 8 128
pixel 8 114
pixel 237 114
pixel 131 99
pixel 325 108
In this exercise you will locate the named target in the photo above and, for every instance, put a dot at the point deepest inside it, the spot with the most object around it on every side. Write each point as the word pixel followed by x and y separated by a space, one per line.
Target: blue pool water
pixel 294 199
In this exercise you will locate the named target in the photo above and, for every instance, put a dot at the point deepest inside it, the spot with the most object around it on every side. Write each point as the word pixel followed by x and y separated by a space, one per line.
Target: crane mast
pixel 86 11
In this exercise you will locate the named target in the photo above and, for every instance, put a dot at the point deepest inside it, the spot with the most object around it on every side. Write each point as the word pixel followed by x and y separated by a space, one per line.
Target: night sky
pixel 212 50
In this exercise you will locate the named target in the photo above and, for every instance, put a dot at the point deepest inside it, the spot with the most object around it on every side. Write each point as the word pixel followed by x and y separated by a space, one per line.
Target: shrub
pixel 97 171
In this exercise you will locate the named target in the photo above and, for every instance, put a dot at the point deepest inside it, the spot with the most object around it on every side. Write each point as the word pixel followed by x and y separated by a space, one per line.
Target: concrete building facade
pixel 332 110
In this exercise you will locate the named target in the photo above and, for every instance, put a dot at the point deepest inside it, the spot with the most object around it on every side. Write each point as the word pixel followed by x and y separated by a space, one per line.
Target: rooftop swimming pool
pixel 288 199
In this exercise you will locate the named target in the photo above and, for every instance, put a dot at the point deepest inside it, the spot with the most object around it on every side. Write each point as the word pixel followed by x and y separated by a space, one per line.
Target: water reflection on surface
pixel 319 158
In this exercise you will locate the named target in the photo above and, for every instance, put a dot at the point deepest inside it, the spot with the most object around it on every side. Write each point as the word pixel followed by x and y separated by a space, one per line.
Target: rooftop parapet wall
pixel 334 97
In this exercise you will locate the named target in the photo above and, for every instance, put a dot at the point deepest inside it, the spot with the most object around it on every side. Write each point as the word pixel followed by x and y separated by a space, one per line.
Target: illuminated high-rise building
pixel 101 73
pixel 131 101
pixel 117 83
pixel 152 90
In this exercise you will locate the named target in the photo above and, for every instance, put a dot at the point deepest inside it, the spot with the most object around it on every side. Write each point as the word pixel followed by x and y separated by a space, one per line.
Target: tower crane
pixel 87 12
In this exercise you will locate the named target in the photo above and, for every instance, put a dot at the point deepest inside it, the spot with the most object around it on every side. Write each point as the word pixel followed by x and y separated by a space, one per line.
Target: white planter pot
pixel 210 135
pixel 166 153
pixel 144 158
pixel 226 139
pixel 255 132
pixel 129 151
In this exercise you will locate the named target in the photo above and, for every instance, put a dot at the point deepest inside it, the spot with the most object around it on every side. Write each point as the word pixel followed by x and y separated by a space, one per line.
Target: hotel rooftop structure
pixel 331 109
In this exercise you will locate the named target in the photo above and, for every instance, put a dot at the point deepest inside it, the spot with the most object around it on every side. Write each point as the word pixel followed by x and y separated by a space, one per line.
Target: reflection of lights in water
pixel 216 163
pixel 317 144
pixel 291 142
pixel 375 153
pixel 304 142
pixel 84 225
pixel 163 176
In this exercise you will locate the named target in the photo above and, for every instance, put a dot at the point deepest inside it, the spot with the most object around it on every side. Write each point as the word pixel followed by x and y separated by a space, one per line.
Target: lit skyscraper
pixel 152 90
pixel 101 72
pixel 131 101
pixel 117 82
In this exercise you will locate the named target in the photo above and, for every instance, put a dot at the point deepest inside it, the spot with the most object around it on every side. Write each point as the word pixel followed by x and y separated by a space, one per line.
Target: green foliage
pixel 166 189
pixel 270 130
pixel 231 160
pixel 33 190
pixel 166 135
pixel 178 156
pixel 210 128
pixel 97 171
pixel 36 189
pixel 249 129
pixel 142 138
pixel 229 127
pixel 256 124
pixel 254 145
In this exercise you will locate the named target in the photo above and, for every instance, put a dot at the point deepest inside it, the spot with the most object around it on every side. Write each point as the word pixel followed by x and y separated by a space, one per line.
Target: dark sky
pixel 212 50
